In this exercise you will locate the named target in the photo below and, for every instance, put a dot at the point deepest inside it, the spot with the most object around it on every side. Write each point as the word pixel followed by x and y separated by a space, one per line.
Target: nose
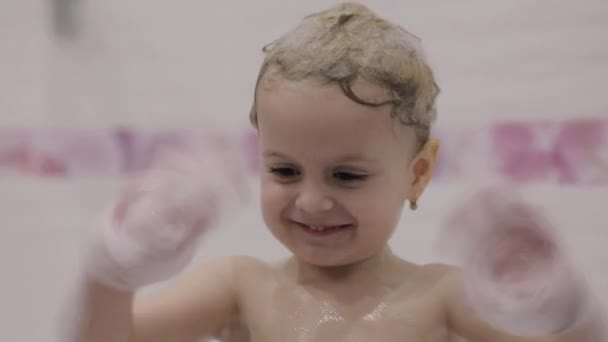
pixel 312 200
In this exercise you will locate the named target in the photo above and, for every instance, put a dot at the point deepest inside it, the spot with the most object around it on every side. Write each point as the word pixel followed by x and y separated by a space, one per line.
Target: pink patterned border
pixel 573 151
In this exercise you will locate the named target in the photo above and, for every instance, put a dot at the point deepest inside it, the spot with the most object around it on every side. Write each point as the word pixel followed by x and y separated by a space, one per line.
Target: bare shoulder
pixel 233 263
pixel 225 270
pixel 449 279
pixel 439 273
pixel 428 283
pixel 248 274
pixel 440 268
pixel 231 268
pixel 231 272
pixel 247 268
pixel 200 302
pixel 245 262
pixel 441 281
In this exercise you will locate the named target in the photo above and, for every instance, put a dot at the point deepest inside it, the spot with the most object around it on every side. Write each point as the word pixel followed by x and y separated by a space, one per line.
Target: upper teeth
pixel 318 228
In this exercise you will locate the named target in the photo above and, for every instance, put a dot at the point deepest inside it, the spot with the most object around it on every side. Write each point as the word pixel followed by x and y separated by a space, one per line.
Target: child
pixel 343 105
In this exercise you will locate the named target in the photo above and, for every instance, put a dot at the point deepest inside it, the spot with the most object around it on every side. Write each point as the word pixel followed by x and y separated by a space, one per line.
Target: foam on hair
pixel 349 42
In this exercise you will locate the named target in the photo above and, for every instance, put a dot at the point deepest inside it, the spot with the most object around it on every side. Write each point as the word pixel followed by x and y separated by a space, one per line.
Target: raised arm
pixel 515 282
pixel 150 235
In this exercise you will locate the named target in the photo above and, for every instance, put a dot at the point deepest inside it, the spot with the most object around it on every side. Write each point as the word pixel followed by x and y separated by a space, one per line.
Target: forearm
pixel 97 313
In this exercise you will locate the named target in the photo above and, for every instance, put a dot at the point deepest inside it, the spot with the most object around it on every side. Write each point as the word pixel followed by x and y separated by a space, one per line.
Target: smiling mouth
pixel 322 229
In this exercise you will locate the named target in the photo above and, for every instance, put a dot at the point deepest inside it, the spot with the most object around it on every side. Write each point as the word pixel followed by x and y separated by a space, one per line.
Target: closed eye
pixel 284 172
pixel 349 176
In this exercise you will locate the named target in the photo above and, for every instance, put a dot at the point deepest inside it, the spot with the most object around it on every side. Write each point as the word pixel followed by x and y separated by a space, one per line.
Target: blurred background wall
pixel 89 87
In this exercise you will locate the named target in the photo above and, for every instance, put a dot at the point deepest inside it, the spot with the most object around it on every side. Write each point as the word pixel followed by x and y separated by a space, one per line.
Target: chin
pixel 331 259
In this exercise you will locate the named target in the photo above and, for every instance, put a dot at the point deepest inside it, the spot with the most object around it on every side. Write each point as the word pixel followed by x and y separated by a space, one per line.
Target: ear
pixel 422 169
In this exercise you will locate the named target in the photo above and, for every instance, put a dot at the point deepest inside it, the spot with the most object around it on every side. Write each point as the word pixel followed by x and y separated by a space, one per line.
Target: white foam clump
pixel 516 276
pixel 154 229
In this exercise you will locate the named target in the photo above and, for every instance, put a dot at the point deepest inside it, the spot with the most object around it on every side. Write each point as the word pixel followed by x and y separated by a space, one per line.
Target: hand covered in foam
pixel 516 276
pixel 154 228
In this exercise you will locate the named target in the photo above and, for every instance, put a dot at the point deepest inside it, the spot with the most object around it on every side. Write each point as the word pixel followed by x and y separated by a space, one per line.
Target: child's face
pixel 336 174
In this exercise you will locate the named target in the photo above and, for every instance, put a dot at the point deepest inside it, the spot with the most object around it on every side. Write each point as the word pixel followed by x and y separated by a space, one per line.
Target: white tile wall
pixel 182 64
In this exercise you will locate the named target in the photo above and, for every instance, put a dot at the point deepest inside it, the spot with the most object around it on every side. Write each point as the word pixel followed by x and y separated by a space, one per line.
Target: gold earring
pixel 414 204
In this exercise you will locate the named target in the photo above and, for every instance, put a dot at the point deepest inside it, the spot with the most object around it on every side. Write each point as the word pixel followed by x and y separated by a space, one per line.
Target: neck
pixel 374 267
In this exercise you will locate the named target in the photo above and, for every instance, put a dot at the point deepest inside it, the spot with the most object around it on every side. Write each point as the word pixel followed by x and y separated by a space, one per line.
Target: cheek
pixel 380 207
pixel 273 199
pixel 379 216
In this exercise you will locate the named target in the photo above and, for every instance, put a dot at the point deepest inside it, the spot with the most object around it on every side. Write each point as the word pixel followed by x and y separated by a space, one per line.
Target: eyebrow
pixel 356 157
pixel 273 154
pixel 348 158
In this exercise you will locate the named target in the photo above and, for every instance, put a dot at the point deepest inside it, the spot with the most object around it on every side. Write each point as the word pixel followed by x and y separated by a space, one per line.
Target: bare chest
pixel 297 316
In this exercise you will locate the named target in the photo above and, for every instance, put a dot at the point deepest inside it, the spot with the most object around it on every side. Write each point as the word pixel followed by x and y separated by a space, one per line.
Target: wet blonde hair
pixel 348 42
